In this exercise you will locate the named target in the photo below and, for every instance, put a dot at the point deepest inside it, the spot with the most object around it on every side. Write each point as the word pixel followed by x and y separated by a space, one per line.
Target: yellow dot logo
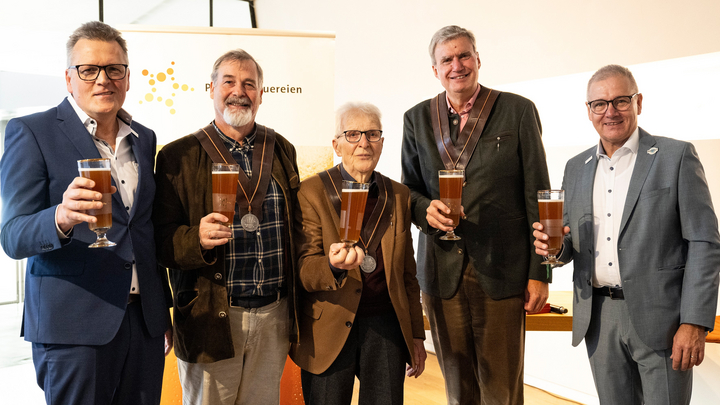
pixel 158 83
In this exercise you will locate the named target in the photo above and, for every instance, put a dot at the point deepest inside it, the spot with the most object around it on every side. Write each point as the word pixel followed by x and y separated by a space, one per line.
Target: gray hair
pixel 237 55
pixel 353 109
pixel 95 31
pixel 449 33
pixel 609 71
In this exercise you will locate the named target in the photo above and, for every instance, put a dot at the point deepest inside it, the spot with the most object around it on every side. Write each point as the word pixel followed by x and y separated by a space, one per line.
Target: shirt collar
pixel 124 120
pixel 247 143
pixel 468 105
pixel 630 146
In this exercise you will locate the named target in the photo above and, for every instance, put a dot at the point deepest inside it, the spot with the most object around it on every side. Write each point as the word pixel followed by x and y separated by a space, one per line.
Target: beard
pixel 238 118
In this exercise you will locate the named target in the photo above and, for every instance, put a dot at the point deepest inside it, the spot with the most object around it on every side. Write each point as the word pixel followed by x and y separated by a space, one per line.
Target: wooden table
pixel 552 321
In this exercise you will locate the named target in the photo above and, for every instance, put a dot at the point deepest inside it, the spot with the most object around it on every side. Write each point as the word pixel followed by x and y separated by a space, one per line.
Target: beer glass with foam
pixel 352 210
pixel 98 170
pixel 225 184
pixel 550 203
pixel 451 184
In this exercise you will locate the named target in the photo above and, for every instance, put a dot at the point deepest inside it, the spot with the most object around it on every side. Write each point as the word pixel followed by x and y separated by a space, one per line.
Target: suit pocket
pixel 311 310
pixel 653 193
pixel 676 267
pixel 40 267
pixel 186 301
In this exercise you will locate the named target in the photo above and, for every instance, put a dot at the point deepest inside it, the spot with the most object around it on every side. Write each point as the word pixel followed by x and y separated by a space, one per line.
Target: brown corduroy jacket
pixel 200 301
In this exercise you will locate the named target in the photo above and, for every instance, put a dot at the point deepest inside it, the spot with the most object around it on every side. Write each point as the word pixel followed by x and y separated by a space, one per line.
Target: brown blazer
pixel 328 307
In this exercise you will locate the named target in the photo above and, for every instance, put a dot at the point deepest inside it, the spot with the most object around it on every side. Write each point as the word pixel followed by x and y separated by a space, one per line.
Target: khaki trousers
pixel 261 337
pixel 480 344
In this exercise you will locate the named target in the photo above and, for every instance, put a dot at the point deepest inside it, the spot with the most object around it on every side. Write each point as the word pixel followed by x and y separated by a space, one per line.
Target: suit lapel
pixel 73 128
pixel 141 189
pixel 388 247
pixel 643 163
pixel 587 184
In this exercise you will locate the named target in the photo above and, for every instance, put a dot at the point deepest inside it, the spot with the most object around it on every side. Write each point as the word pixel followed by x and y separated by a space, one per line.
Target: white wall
pixel 381 57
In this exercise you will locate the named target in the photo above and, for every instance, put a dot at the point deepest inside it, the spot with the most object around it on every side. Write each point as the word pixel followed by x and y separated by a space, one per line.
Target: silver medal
pixel 368 264
pixel 249 222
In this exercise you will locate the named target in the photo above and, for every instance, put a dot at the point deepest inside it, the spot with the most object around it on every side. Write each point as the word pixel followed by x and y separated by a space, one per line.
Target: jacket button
pixel 589 283
pixel 128 266
pixel 348 324
pixel 218 276
pixel 358 291
pixel 222 314
pixel 459 251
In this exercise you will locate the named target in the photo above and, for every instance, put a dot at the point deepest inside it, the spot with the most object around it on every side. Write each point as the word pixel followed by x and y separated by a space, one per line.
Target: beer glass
pixel 225 184
pixel 354 197
pixel 98 170
pixel 451 184
pixel 550 203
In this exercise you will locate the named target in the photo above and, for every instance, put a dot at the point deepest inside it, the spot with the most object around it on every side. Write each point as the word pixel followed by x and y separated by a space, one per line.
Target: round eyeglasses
pixel 373 135
pixel 90 73
pixel 621 103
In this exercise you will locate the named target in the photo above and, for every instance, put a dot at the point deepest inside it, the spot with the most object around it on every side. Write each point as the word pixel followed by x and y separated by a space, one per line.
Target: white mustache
pixel 241 101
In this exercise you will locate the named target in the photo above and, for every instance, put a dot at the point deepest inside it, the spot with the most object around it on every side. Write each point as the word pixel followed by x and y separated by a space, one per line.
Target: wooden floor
pixel 429 389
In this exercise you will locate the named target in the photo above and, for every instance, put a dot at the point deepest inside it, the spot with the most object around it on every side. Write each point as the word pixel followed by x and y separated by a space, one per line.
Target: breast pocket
pixel 644 195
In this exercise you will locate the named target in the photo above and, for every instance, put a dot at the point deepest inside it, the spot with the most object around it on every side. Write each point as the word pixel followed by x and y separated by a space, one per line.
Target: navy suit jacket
pixel 74 294
pixel 668 243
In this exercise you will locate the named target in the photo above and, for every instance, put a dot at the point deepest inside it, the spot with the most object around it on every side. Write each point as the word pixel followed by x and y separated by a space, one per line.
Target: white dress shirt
pixel 123 166
pixel 612 180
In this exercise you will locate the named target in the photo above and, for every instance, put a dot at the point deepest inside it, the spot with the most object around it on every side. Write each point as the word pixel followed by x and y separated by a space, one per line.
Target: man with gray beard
pixel 233 278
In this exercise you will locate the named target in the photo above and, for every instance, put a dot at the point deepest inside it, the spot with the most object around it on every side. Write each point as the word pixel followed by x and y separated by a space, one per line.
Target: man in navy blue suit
pixel 98 318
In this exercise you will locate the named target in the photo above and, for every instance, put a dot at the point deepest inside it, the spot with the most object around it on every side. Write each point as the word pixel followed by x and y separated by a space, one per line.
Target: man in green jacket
pixel 234 303
pixel 476 289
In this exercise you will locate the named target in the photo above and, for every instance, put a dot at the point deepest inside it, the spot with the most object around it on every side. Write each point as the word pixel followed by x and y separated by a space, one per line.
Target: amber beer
pixel 550 204
pixel 225 183
pixel 451 182
pixel 98 170
pixel 352 210
pixel 103 184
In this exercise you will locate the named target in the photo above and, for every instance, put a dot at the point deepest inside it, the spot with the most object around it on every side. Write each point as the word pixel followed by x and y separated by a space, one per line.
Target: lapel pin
pixel 588 159
pixel 652 151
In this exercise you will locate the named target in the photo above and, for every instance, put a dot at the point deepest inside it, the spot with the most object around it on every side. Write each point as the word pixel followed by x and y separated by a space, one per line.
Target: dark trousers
pixel 376 353
pixel 127 370
pixel 480 344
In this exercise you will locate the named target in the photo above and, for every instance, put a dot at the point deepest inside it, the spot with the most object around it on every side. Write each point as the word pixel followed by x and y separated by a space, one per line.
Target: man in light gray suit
pixel 643 237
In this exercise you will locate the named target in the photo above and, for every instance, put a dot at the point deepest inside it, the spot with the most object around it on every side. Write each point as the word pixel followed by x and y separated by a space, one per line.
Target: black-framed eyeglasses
pixel 352 136
pixel 90 73
pixel 621 103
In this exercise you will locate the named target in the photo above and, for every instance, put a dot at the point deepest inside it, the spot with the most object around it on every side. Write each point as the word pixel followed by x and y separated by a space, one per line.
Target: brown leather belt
pixel 615 293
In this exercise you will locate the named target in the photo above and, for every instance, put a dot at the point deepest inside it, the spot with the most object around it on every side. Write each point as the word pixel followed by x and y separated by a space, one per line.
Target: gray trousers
pixel 261 341
pixel 626 371
pixel 375 352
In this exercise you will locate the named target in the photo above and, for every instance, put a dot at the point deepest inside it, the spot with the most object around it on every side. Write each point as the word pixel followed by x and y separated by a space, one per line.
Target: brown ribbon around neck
pixel 379 221
pixel 457 156
pixel 261 166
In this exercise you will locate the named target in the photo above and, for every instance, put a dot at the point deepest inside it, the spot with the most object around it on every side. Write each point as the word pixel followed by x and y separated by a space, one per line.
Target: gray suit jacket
pixel 668 245
pixel 503 176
